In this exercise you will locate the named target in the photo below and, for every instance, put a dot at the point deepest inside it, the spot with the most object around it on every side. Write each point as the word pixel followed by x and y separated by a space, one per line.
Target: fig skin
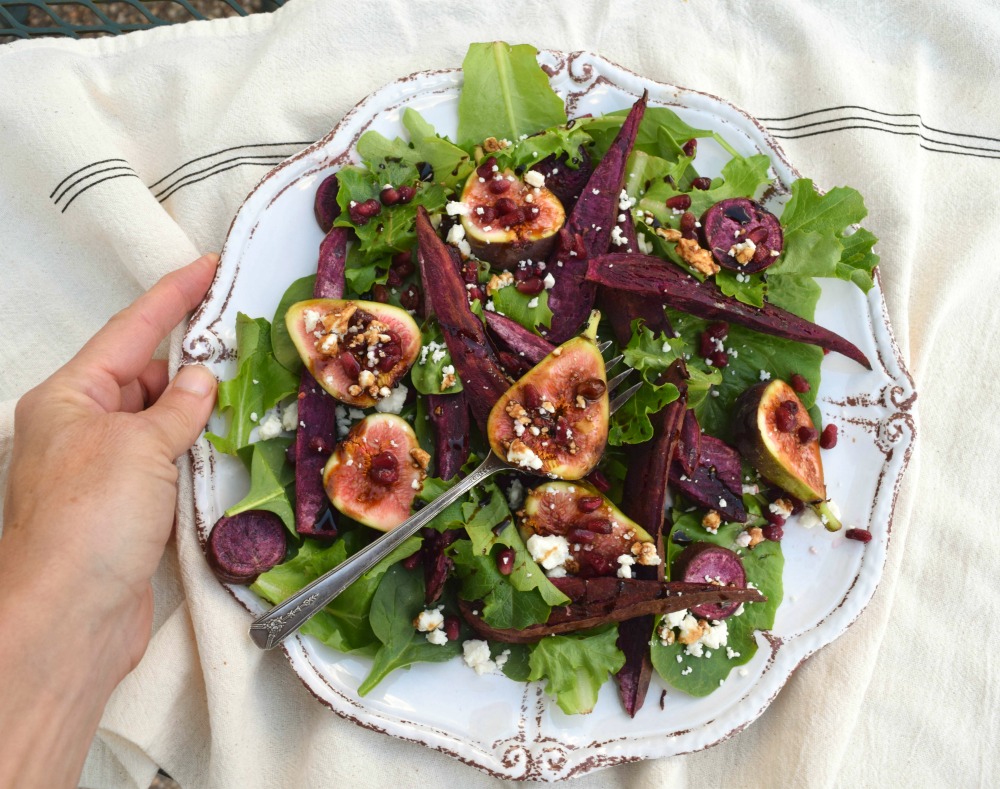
pixel 328 370
pixel 351 476
pixel 703 560
pixel 572 435
pixel 554 508
pixel 733 221
pixel 506 245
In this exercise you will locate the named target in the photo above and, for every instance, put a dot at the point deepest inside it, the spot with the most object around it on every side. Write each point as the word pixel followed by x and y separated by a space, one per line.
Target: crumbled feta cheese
pixel 549 550
pixel 534 178
pixel 533 303
pixel 765 375
pixel 456 234
pixel 476 654
pixel 455 208
pixel 808 519
pixel 437 637
pixel 429 619
pixel 270 425
pixel 290 416
pixel 625 562
pixel 515 493
pixel 253 416
pixel 549 281
pixel 645 245
pixel 311 318
pixel 520 454
pixel 618 237
pixel 743 539
pixel 392 404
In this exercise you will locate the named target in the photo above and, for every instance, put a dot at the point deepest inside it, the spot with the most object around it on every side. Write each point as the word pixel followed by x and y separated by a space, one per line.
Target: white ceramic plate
pixel 509 729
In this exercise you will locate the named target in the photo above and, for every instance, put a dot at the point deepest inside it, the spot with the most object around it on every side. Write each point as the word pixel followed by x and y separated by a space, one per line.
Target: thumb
pixel 180 413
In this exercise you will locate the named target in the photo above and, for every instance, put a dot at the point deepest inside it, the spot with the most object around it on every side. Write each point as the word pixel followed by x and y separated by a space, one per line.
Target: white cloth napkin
pixel 122 158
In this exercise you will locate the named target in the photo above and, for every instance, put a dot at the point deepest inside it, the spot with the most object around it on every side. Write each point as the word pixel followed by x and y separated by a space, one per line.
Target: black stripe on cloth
pixel 879 112
pixel 91 175
pixel 217 172
pixel 85 167
pixel 983 155
pixel 297 146
pixel 163 194
pixel 95 183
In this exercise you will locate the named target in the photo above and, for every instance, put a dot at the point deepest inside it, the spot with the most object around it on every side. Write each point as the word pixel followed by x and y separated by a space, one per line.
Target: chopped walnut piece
pixel 645 553
pixel 448 380
pixel 336 322
pixel 354 390
pixel 691 634
pixel 698 258
pixel 499 281
pixel 743 252
pixel 580 402
pixel 420 457
pixel 666 635
pixel 756 536
pixel 668 234
pixel 492 144
pixel 711 521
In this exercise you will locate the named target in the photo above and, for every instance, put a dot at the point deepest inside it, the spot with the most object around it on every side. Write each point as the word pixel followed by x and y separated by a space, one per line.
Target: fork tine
pixel 602 347
pixel 623 398
pixel 613 361
pixel 615 382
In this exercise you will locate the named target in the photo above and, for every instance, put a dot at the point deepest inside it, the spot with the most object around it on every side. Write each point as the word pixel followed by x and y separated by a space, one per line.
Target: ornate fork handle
pixel 288 616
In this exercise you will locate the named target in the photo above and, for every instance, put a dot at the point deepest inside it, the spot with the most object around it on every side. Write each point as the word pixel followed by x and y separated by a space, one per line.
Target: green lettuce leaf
pixel 556 142
pixel 272 482
pixel 530 311
pixel 428 371
pixel 505 94
pixel 575 666
pixel 260 383
pixel 281 342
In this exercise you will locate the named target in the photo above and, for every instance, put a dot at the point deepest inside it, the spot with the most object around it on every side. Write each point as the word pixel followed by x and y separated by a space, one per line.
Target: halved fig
pixel 554 420
pixel 596 530
pixel 243 546
pixel 510 220
pixel 356 350
pixel 376 471
pixel 742 235
pixel 775 433
pixel 705 563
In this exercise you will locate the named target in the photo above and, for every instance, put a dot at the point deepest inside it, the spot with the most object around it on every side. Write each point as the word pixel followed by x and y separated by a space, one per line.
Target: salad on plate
pixel 477 294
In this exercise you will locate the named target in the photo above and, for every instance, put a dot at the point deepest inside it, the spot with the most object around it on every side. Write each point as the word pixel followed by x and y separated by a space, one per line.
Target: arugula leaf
pixel 518 307
pixel 281 341
pixel 260 382
pixel 272 482
pixel 857 261
pixel 763 565
pixel 428 372
pixel 658 124
pixel 556 142
pixel 505 94
pixel 396 603
pixel 343 624
pixel 576 665
pixel 748 288
pixel 363 270
pixel 741 177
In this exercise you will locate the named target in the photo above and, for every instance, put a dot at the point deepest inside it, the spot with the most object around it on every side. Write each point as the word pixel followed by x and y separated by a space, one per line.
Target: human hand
pixel 91 498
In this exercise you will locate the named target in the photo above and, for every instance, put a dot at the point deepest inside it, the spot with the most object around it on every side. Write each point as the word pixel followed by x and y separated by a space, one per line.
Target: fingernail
pixel 196 379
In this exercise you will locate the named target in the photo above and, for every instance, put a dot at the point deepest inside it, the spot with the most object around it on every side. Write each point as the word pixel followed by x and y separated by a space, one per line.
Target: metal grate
pixel 88 18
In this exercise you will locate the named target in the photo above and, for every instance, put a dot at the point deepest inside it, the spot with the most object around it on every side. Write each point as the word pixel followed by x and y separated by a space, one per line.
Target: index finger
pixel 123 348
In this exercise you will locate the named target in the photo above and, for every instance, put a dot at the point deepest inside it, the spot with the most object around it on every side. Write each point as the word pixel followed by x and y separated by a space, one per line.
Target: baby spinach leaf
pixel 505 94
pixel 530 311
pixel 272 482
pixel 260 382
pixel 428 372
pixel 281 342
pixel 575 666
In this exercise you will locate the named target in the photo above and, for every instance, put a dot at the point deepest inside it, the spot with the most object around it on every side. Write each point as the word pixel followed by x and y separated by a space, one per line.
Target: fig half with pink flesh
pixel 376 471
pixel 742 235
pixel 509 220
pixel 775 433
pixel 356 350
pixel 705 563
pixel 596 530
pixel 554 420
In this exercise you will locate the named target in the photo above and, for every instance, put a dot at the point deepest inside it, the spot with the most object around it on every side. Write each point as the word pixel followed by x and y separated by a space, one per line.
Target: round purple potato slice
pixel 702 562
pixel 742 235
pixel 325 206
pixel 243 546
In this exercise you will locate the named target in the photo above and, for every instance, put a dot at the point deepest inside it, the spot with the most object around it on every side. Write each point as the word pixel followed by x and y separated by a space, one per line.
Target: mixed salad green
pixel 508 105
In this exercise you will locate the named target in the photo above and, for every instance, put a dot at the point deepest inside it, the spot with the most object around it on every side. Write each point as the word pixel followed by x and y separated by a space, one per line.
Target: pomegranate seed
pixel 370 208
pixel 531 286
pixel 561 432
pixel 690 148
pixel 499 186
pixel 762 254
pixel 485 170
pixel 290 453
pixel 584 536
pixel 505 206
pixel 719 359
pixel 452 627
pixel 403 263
pixel 799 384
pixel 488 215
pixel 790 406
pixel 702 183
pixel 861 535
pixel 319 445
pixel 406 193
pixel 599 565
pixel 600 525
pixel 828 439
pixel 807 434
pixel 389 196
pixel 475 293
pixel 411 298
pixel 470 272
pixel 797 505
pixel 592 389
pixel 774 518
pixel 678 202
pixel 393 354
pixel 687 225
pixel 718 329
pixel 380 293
pixel 505 561
pixel 532 397
pixel 774 533
pixel 785 421
pixel 412 561
pixel 393 279
pixel 599 481
pixel 507 221
pixel 589 503
pixel 384 468
pixel 350 365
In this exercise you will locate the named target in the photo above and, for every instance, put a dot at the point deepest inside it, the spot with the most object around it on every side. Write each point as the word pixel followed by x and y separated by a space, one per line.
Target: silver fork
pixel 288 616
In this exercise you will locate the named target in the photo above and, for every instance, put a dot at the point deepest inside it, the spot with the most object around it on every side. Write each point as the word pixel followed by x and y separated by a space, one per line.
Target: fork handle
pixel 288 616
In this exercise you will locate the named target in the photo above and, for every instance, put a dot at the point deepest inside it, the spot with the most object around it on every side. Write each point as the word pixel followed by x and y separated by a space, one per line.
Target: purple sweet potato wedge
pixel 562 180
pixel 473 357
pixel 715 483
pixel 449 416
pixel 701 561
pixel 689 448
pixel 243 546
pixel 332 262
pixel 518 339
pixel 325 205
pixel 597 601
pixel 437 564
pixel 736 221
pixel 633 678
pixel 649 276
pixel 588 233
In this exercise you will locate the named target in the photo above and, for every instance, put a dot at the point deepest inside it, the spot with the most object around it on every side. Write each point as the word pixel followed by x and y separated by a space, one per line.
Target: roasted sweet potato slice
pixel 527 345
pixel 243 546
pixel 715 482
pixel 449 415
